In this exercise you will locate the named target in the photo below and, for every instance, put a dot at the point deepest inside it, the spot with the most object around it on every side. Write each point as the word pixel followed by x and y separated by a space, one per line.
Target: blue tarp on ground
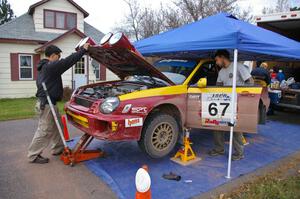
pixel 275 140
pixel 221 31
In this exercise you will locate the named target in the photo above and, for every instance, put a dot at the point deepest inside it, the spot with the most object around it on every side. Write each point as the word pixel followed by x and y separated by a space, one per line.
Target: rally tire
pixel 159 135
pixel 262 114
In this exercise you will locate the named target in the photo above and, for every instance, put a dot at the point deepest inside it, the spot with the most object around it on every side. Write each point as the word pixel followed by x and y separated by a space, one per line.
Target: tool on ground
pixel 143 183
pixel 79 153
pixel 185 155
pixel 171 176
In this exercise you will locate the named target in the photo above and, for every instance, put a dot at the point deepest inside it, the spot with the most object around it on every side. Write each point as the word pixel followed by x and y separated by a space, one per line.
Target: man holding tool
pixel 222 58
pixel 50 70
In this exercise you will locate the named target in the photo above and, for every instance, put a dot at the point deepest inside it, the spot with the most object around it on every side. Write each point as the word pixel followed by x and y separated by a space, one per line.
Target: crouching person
pixel 50 70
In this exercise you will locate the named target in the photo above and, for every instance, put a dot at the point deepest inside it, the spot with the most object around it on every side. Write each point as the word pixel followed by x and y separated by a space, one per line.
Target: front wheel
pixel 159 135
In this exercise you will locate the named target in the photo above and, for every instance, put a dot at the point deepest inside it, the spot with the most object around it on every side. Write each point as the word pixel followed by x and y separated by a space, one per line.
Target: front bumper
pixel 105 127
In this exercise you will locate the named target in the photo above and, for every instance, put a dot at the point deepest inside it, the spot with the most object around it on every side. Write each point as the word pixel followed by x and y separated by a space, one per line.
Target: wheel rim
pixel 162 136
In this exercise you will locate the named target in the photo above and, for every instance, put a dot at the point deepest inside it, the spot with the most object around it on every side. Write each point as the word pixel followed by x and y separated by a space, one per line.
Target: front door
pixel 80 72
pixel 210 107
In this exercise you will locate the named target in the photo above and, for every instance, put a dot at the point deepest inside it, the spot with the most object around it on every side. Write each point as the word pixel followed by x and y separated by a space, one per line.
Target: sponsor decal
pixel 126 108
pixel 214 122
pixel 133 122
pixel 194 96
pixel 139 110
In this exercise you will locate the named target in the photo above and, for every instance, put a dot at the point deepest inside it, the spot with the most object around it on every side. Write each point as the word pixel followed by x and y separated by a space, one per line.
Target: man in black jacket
pixel 50 70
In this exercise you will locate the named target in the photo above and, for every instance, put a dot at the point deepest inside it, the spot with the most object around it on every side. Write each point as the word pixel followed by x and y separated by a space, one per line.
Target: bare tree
pixel 281 6
pixel 172 17
pixel 142 22
pixel 131 24
pixel 198 9
pixel 151 24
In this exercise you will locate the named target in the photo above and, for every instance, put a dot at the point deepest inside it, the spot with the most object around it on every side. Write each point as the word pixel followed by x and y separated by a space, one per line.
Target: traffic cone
pixel 66 131
pixel 143 183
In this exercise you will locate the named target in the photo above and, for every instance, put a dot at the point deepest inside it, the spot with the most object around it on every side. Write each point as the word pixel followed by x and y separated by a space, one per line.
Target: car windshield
pixel 176 70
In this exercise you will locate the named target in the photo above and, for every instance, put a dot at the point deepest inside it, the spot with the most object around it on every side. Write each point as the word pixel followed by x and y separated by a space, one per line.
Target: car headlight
pixel 109 105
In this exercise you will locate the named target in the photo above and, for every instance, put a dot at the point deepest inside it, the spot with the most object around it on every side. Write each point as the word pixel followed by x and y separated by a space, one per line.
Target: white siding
pixel 59 5
pixel 14 89
pixel 67 45
pixel 22 88
pixel 111 76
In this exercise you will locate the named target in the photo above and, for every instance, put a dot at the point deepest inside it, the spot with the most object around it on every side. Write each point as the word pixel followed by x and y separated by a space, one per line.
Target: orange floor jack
pixel 79 153
pixel 185 155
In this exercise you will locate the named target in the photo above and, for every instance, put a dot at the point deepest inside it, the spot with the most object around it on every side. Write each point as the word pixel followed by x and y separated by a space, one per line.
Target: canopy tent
pixel 221 31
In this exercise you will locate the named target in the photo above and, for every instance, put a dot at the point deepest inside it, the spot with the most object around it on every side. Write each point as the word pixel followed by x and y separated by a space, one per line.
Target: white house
pixel 24 39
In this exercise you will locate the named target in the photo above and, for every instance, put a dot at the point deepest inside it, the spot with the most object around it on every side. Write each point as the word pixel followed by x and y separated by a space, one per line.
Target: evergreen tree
pixel 6 13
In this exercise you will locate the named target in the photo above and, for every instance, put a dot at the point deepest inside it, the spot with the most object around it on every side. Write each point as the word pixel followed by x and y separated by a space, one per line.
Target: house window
pixel 26 67
pixel 59 20
pixel 80 67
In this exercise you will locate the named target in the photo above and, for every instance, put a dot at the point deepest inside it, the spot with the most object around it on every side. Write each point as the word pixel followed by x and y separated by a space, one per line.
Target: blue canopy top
pixel 221 31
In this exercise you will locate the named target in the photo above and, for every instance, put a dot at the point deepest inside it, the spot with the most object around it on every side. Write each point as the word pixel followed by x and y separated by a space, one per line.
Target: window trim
pixel 99 77
pixel 19 65
pixel 65 22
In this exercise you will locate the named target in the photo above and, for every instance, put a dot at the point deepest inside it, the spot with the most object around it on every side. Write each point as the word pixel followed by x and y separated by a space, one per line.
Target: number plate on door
pixel 216 109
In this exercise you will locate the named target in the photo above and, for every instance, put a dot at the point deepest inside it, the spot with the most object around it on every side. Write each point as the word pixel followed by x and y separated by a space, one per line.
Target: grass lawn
pixel 269 187
pixel 12 109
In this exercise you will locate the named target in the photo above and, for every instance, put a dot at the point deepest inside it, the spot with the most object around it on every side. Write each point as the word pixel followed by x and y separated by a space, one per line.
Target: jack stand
pixel 185 155
pixel 79 153
pixel 244 140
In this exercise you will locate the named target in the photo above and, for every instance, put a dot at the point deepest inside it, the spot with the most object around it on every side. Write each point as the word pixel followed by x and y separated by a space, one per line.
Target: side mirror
pixel 202 83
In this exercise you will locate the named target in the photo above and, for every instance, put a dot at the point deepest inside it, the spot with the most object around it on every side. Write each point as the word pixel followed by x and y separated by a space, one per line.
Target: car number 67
pixel 213 108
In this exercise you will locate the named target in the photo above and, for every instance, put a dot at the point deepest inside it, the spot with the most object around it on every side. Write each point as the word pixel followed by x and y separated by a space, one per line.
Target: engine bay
pixel 112 90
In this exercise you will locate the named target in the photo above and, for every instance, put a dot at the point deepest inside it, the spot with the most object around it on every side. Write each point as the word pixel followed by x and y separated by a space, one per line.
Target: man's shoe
pixel 215 152
pixel 40 160
pixel 236 157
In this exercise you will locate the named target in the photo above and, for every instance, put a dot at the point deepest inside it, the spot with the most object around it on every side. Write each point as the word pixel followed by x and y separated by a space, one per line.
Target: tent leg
pixel 233 102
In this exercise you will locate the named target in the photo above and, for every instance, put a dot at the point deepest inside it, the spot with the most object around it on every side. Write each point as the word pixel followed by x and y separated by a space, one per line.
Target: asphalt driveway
pixel 20 179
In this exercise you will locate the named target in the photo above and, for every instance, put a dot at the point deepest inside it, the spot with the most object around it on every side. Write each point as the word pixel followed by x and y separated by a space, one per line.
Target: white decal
pixel 216 109
pixel 139 110
pixel 126 108
pixel 133 122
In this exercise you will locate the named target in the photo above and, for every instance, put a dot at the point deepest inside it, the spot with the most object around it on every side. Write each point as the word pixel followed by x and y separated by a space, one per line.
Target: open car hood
pixel 124 63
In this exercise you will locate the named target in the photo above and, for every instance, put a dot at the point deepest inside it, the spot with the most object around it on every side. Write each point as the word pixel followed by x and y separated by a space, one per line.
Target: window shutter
pixel 14 66
pixel 36 61
pixel 102 72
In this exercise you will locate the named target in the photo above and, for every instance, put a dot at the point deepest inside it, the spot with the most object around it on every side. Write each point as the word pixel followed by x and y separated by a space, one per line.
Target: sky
pixel 107 14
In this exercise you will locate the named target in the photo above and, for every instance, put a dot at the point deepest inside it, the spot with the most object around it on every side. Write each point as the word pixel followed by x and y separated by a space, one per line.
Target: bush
pixel 67 93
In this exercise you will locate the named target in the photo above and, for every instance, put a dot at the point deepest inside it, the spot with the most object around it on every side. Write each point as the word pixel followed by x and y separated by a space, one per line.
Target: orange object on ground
pixel 79 153
pixel 146 194
pixel 66 131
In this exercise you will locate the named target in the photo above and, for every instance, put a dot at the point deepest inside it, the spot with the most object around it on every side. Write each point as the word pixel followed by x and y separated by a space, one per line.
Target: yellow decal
pixel 169 90
pixel 79 119
pixel 114 126
pixel 251 90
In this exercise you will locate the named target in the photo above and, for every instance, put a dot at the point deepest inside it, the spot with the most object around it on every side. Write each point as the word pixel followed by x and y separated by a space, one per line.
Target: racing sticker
pixel 216 109
pixel 139 110
pixel 133 122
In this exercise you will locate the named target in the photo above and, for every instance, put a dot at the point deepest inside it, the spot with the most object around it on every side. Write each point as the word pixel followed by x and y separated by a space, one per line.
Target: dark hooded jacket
pixel 50 73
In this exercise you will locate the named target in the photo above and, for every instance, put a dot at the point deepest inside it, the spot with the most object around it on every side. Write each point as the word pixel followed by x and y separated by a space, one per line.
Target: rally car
pixel 152 104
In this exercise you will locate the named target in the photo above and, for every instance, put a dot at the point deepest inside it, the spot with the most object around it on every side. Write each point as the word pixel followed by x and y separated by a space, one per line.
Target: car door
pixel 210 108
